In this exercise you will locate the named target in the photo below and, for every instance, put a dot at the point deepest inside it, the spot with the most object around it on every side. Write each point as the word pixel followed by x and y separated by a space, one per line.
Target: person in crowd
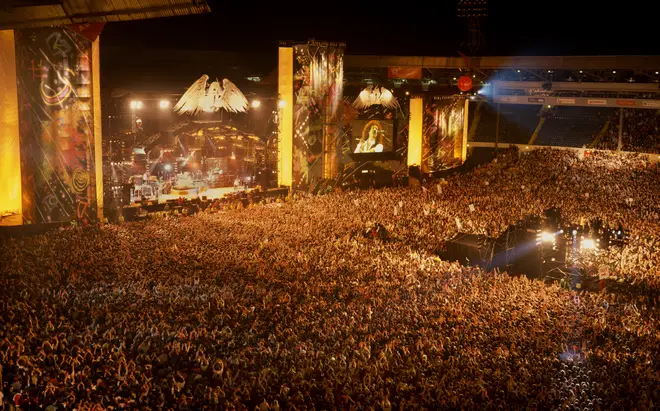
pixel 283 306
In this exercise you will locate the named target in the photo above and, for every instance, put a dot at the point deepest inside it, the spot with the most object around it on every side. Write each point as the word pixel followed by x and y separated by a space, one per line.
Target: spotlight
pixel 168 167
pixel 256 103
pixel 281 103
pixel 588 244
pixel 547 237
pixel 574 232
pixel 407 93
pixel 164 104
pixel 133 104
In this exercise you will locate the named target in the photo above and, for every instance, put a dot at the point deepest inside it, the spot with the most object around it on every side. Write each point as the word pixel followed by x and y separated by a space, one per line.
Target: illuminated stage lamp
pixel 164 104
pixel 588 244
pixel 547 237
pixel 168 167
pixel 281 103
pixel 256 103
pixel 133 104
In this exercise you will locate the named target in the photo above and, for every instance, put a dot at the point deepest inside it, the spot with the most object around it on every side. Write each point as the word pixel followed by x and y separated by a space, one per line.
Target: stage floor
pixel 211 194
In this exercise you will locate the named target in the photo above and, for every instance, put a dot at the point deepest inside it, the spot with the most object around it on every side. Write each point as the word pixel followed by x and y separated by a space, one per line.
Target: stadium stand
pixel 517 123
pixel 572 126
pixel 641 131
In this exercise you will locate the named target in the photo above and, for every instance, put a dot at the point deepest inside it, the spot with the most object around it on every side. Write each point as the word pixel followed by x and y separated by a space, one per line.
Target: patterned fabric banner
pixel 56 125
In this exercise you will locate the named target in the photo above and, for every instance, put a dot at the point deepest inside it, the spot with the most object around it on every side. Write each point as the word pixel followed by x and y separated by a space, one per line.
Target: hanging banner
pixel 317 94
pixel 56 124
pixel 412 73
pixel 442 126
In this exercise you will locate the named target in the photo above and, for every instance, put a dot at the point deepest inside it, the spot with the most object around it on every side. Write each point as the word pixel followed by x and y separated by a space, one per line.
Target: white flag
pixel 471 208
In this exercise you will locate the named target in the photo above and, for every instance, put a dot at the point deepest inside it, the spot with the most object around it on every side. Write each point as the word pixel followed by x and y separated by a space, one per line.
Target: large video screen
pixel 373 136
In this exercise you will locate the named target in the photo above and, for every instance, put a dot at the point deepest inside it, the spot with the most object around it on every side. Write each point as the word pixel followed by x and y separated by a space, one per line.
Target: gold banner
pixel 415 131
pixel 98 132
pixel 285 134
pixel 10 152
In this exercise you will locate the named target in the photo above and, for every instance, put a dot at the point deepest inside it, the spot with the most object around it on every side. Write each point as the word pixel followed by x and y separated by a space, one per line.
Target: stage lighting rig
pixel 546 237
pixel 473 11
pixel 472 8
pixel 589 244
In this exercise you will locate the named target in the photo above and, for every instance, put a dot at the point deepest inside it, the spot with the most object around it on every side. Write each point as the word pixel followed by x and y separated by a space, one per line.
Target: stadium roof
pixel 510 62
pixel 45 13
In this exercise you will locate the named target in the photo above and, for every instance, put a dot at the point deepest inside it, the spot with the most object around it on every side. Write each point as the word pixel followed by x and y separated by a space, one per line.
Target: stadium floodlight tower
pixel 473 11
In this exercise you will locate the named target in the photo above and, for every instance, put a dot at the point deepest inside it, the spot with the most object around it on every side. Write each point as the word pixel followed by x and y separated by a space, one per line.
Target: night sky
pixel 138 55
pixel 406 28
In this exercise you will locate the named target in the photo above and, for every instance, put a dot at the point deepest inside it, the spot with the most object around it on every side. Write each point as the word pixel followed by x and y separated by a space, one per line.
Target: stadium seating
pixel 572 126
pixel 517 123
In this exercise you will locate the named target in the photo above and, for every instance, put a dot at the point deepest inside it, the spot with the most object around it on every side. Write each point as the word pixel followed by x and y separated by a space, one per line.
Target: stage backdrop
pixel 54 73
pixel 443 124
pixel 393 124
pixel 318 89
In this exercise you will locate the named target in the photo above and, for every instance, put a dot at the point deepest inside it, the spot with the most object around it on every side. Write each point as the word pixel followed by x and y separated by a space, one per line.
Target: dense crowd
pixel 641 131
pixel 288 306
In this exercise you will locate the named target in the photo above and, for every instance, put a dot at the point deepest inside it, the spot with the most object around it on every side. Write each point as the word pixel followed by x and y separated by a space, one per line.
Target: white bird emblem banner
pixel 210 99
pixel 376 95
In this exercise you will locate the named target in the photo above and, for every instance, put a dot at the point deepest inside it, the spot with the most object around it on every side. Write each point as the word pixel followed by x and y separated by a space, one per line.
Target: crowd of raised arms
pixel 282 306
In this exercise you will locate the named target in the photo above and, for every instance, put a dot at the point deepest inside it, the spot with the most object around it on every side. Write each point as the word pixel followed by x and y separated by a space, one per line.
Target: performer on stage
pixel 372 144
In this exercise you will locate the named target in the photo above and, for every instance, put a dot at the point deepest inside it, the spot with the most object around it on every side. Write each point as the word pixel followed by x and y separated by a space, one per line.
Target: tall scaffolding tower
pixel 473 11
